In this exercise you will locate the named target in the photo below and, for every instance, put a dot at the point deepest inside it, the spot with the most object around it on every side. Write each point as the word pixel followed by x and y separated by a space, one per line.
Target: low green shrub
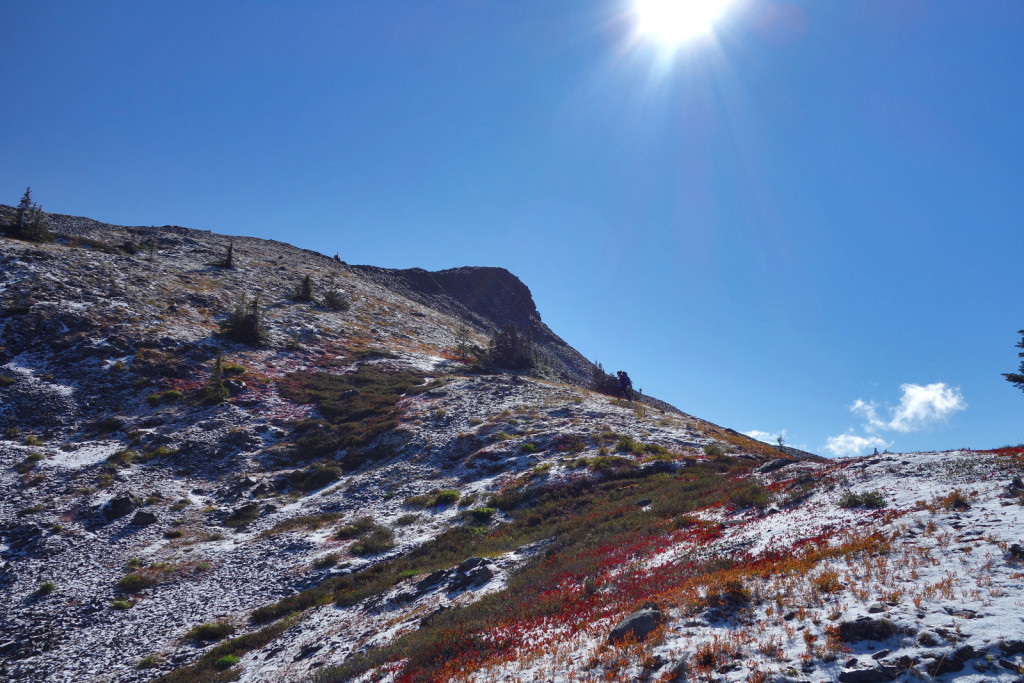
pixel 210 632
pixel 150 662
pixel 873 500
pixel 226 662
pixel 123 458
pixel 446 497
pixel 135 582
pixel 326 561
pixel 46 587
pixel 484 514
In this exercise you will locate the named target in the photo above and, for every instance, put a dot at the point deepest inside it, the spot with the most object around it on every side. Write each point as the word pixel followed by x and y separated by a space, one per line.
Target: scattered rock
pixel 144 518
pixel 643 502
pixel 307 651
pixel 951 662
pixel 866 628
pixel 434 579
pixel 638 624
pixel 876 674
pixel 776 465
pixel 120 506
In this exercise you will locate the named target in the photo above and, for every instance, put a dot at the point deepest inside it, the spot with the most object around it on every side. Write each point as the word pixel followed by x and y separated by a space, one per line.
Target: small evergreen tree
pixel 512 349
pixel 625 388
pixel 246 323
pixel 30 220
pixel 1017 378
pixel 24 210
pixel 215 390
pixel 463 348
pixel 305 290
pixel 229 257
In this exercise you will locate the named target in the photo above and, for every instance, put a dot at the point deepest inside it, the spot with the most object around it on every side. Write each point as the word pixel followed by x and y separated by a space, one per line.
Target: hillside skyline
pixel 803 223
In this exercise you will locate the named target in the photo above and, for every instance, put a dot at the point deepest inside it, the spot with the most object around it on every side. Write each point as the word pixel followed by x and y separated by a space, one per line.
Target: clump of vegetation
pixel 446 497
pixel 310 522
pixel 357 408
pixel 619 384
pixel 210 632
pixel 407 519
pixel 6 381
pixel 215 391
pixel 327 561
pixel 245 324
pixel 135 582
pixel 314 477
pixel 873 500
pixel 483 515
pixel 527 447
pixel 173 534
pixel 122 604
pixel 714 450
pixel 371 538
pixel 122 458
pixel 334 300
pixel 728 594
pixel 827 582
pixel 226 662
pixel 29 221
pixel 511 349
pixel 751 494
pixel 304 292
pixel 570 443
pixel 29 463
pixel 169 396
pixel 45 588
pixel 206 667
pixel 627 444
pixel 243 515
pixel 150 661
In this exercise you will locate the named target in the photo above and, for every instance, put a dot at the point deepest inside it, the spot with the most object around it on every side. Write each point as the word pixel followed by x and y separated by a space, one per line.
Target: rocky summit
pixel 234 459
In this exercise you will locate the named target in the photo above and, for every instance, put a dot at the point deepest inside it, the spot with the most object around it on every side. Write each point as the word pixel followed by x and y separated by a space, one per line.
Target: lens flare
pixel 674 22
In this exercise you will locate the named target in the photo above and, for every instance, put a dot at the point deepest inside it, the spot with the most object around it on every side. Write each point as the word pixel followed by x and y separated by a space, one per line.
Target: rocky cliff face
pixel 347 501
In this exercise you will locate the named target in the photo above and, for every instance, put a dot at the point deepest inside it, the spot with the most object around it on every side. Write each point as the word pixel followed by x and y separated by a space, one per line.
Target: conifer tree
pixel 1017 378
pixel 305 290
pixel 215 389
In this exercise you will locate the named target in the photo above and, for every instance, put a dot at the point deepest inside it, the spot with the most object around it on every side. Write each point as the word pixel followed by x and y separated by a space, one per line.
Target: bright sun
pixel 674 22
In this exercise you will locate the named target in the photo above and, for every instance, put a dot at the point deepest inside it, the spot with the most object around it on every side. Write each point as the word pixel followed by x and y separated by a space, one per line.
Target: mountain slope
pixel 360 504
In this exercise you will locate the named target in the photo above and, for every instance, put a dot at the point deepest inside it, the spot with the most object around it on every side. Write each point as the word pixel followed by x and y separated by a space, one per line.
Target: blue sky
pixel 809 220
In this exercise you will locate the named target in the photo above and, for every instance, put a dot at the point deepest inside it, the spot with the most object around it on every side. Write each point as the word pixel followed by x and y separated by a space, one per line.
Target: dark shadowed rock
pixel 434 579
pixel 953 661
pixel 639 624
pixel 877 674
pixel 866 628
pixel 144 518
pixel 120 506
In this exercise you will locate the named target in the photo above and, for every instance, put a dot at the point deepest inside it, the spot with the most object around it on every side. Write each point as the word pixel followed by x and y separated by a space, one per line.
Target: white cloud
pixel 767 437
pixel 850 445
pixel 920 406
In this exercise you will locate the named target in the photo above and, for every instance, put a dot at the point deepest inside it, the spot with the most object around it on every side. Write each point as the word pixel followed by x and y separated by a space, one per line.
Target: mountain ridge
pixel 350 500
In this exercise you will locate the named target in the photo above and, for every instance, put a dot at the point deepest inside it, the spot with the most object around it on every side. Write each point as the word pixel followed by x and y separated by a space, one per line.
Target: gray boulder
pixel 639 624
